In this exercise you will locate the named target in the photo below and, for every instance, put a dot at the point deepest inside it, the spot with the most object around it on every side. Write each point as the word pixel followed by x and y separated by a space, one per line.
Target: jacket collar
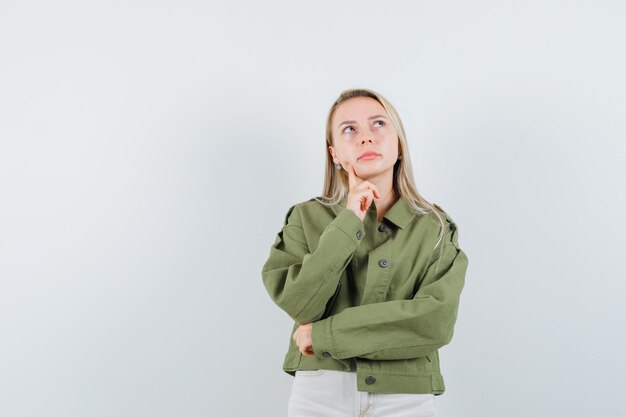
pixel 399 214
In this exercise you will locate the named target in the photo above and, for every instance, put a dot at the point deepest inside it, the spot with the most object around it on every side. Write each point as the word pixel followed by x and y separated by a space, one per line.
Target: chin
pixel 369 173
pixel 372 171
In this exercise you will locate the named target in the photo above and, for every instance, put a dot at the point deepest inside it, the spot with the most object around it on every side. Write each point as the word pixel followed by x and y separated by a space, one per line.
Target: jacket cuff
pixel 321 338
pixel 350 224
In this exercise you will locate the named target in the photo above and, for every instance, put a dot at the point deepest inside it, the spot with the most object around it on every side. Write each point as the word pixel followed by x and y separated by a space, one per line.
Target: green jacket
pixel 381 299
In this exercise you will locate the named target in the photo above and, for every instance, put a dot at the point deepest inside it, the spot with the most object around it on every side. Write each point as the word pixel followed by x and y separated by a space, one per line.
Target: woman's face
pixel 361 124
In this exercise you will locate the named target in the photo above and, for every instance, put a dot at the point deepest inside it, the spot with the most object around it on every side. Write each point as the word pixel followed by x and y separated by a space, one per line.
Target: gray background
pixel 149 152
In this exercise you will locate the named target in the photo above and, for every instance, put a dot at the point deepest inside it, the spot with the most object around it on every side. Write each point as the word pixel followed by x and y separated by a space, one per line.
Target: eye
pixel 380 121
pixel 344 130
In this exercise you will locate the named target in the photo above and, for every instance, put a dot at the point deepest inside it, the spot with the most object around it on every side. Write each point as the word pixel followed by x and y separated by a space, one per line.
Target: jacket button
pixel 383 263
pixel 370 380
pixel 383 228
pixel 359 235
pixel 326 354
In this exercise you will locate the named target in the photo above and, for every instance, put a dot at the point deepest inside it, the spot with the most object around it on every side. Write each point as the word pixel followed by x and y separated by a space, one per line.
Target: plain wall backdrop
pixel 149 152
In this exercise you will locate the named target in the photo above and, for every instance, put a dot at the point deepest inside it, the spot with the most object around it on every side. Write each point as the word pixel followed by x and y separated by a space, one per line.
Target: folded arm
pixel 401 329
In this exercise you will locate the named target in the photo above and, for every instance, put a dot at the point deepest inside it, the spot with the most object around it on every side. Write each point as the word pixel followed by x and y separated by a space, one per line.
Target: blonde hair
pixel 336 182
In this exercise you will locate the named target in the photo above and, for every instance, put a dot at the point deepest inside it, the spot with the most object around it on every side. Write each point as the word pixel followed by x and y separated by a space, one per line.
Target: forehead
pixel 357 108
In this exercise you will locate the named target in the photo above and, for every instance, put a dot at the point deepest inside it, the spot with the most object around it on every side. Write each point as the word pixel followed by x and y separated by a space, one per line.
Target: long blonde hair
pixel 336 182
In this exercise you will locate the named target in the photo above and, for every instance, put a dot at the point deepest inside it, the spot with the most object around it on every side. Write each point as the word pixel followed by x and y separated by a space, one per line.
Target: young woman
pixel 370 272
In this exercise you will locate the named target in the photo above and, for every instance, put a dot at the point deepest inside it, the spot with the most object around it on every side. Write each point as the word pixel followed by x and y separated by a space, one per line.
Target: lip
pixel 369 155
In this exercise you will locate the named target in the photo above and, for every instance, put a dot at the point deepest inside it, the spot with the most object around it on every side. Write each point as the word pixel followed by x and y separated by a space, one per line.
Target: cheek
pixel 391 144
pixel 345 153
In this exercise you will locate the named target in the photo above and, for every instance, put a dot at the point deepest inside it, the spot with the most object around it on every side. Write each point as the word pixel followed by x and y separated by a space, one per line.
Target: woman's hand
pixel 360 196
pixel 302 336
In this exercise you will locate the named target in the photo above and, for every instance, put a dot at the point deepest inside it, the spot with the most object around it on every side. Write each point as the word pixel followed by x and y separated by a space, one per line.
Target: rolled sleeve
pixel 349 223
pixel 321 337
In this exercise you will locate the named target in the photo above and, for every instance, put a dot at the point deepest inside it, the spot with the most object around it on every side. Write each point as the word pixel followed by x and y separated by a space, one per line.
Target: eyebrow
pixel 354 121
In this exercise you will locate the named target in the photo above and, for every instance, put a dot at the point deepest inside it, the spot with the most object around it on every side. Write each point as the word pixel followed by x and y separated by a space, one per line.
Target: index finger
pixel 351 176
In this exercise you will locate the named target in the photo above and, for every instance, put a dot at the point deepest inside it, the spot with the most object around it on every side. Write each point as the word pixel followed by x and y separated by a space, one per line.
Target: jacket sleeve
pixel 401 329
pixel 301 282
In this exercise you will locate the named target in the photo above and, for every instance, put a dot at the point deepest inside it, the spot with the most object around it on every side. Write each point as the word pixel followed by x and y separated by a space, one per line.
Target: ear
pixel 332 152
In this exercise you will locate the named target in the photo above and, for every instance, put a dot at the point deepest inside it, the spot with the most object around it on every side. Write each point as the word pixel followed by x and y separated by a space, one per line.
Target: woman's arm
pixel 301 282
pixel 401 329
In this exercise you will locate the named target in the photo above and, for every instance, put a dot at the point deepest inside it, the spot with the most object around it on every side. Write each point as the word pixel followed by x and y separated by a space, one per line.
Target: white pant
pixel 328 393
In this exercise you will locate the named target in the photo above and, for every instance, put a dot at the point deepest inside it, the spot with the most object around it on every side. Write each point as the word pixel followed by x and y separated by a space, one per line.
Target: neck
pixel 386 200
pixel 388 197
pixel 384 183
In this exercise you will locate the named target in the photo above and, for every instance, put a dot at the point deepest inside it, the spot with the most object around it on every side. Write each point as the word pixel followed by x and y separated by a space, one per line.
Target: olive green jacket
pixel 381 298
